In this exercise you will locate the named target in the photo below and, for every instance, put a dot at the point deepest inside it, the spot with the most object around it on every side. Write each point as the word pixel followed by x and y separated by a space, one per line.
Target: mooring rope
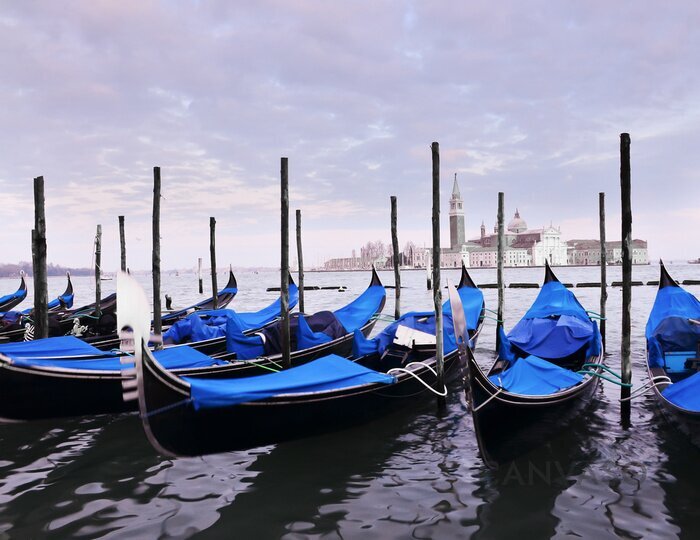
pixel 649 385
pixel 500 389
pixel 412 374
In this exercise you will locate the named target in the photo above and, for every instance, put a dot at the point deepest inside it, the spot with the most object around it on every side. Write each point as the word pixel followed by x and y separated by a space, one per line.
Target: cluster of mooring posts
pixel 433 278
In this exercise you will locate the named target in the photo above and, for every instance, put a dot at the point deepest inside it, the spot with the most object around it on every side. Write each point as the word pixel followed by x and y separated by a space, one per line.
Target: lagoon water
pixel 411 474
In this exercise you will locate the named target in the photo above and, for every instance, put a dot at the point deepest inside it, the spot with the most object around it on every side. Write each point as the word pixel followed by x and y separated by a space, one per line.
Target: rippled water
pixel 409 474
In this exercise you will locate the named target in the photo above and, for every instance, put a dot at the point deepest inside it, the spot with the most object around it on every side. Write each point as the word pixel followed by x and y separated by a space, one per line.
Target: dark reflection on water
pixel 410 474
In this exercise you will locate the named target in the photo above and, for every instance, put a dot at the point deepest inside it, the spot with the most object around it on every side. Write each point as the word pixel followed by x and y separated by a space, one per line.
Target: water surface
pixel 411 474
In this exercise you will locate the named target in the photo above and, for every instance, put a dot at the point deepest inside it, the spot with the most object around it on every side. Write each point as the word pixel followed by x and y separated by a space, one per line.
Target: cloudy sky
pixel 528 98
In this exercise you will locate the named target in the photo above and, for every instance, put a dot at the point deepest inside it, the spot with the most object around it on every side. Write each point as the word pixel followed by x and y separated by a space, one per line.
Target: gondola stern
pixel 375 278
pixel 665 279
pixel 549 276
pixel 465 279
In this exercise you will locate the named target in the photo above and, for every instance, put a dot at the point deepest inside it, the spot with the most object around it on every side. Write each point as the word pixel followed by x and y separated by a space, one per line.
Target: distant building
pixel 587 252
pixel 523 247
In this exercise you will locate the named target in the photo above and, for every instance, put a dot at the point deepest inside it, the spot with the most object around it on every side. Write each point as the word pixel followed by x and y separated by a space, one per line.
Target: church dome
pixel 517 224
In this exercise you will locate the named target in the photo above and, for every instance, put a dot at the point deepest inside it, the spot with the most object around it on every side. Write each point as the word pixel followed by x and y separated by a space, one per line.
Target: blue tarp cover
pixel 668 328
pixel 533 376
pixel 555 299
pixel 327 373
pixel 555 326
pixel 356 314
pixel 424 321
pixel 17 294
pixel 685 393
pixel 170 358
pixel 54 346
pixel 213 323
pixel 306 337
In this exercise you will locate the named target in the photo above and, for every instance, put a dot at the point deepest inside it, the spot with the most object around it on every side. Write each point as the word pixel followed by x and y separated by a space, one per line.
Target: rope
pixel 500 389
pixel 602 366
pixel 493 319
pixel 262 366
pixel 649 385
pixel 166 408
pixel 601 376
pixel 412 374
pixel 595 315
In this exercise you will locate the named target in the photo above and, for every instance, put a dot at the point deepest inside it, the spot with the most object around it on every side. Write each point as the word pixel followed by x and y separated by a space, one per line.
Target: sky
pixel 528 98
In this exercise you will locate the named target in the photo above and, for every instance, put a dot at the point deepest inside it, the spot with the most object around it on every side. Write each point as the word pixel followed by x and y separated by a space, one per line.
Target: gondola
pixel 12 323
pixel 545 374
pixel 673 355
pixel 100 330
pixel 81 379
pixel 224 297
pixel 9 301
pixel 184 416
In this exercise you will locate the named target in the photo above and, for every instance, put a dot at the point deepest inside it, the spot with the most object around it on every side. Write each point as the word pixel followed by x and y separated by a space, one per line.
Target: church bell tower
pixel 456 218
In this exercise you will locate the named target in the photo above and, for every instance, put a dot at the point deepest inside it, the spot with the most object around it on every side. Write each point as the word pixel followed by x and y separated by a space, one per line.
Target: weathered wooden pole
pixel 199 275
pixel 499 271
pixel 428 272
pixel 397 262
pixel 122 243
pixel 98 267
pixel 300 257
pixel 212 257
pixel 437 293
pixel 603 266
pixel 41 294
pixel 625 192
pixel 155 260
pixel 284 261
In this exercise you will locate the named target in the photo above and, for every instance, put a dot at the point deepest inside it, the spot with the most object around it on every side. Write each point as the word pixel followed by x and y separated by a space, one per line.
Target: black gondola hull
pixel 174 426
pixel 510 425
pixel 25 391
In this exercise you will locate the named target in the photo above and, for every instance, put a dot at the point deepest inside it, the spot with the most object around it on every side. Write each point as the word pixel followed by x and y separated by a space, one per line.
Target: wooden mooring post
pixel 199 275
pixel 98 273
pixel 499 271
pixel 396 259
pixel 437 293
pixel 300 258
pixel 212 259
pixel 122 244
pixel 603 267
pixel 284 262
pixel 155 259
pixel 41 294
pixel 626 196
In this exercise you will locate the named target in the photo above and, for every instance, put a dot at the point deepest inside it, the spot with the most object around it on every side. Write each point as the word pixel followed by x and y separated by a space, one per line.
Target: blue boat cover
pixel 170 358
pixel 53 346
pixel 424 321
pixel 668 328
pixel 327 373
pixel 306 337
pixel 56 302
pixel 212 323
pixel 20 293
pixel 356 314
pixel 533 376
pixel 555 326
pixel 472 303
pixel 685 393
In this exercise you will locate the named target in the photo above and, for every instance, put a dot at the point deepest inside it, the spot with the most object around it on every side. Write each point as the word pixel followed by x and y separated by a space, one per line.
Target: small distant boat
pixel 673 354
pixel 695 261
